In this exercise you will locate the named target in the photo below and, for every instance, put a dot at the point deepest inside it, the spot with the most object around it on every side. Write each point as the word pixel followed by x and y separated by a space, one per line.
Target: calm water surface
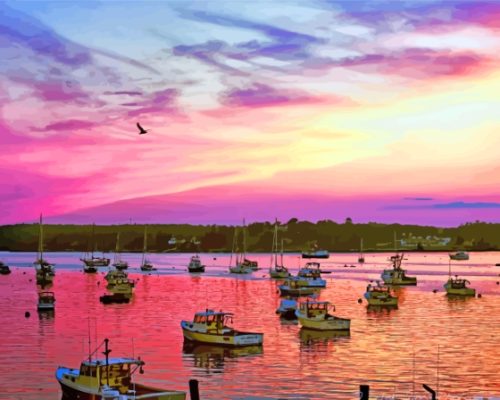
pixel 446 343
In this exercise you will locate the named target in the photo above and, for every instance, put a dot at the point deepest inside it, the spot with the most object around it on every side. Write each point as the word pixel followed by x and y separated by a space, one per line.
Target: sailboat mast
pixel 275 243
pixel 40 241
pixel 93 242
pixel 232 248
pixel 117 248
pixel 145 247
pixel 361 247
pixel 244 241
pixel 282 252
pixel 395 243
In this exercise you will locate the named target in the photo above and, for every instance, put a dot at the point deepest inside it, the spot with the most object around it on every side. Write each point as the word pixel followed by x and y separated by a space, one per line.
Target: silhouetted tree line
pixel 297 236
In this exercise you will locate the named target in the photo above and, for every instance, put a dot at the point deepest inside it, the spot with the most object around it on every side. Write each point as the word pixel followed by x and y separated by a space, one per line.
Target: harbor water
pixel 450 344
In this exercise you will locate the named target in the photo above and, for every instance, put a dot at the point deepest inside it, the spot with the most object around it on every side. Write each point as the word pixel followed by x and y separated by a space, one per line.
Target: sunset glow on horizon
pixel 380 111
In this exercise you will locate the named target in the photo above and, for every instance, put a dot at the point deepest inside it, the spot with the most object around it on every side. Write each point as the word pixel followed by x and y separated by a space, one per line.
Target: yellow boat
pixel 292 287
pixel 315 315
pixel 309 336
pixel 116 277
pixel 110 378
pixel 458 287
pixel 397 275
pixel 212 327
pixel 380 295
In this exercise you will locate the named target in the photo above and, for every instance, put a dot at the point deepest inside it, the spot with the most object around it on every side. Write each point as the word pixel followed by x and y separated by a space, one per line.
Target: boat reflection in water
pixel 211 357
pixel 376 309
pixel 312 336
pixel 46 315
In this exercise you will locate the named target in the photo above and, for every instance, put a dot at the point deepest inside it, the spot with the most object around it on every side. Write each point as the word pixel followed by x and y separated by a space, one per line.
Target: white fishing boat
pixel 291 287
pixel 310 276
pixel 459 256
pixel 195 264
pixel 316 253
pixel 146 265
pixel 380 295
pixel 109 379
pixel 213 327
pixel 46 301
pixel 317 315
pixel 277 270
pixel 45 271
pixel 397 275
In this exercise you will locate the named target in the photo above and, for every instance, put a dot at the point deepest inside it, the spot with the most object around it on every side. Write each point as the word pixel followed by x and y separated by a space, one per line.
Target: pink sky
pixel 315 112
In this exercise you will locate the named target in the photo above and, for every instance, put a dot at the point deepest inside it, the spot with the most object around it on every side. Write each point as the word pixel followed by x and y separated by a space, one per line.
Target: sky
pixel 385 111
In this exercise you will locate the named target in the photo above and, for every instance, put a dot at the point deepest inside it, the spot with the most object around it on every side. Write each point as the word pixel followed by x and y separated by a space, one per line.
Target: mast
pixel 232 248
pixel 40 241
pixel 106 353
pixel 361 248
pixel 282 252
pixel 145 244
pixel 117 248
pixel 275 243
pixel 395 243
pixel 244 241
pixel 93 243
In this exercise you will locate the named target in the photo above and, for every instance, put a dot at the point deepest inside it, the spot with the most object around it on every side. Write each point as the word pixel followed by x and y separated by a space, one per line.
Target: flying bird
pixel 142 131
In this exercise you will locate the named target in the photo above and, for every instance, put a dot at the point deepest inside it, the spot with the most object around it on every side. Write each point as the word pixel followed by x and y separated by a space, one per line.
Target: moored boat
pixel 4 269
pixel 109 379
pixel 287 309
pixel 212 327
pixel 45 271
pixel 46 301
pixel 146 265
pixel 459 256
pixel 292 287
pixel 117 277
pixel 316 254
pixel 361 257
pixel 316 315
pixel 118 263
pixel 239 267
pixel 397 275
pixel 278 271
pixel 458 287
pixel 310 275
pixel 90 261
pixel 195 264
pixel 380 295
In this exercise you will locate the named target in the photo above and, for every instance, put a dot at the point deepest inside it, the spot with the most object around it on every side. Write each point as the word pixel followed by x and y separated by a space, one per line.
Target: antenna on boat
pixel 90 340
pixel 437 373
pixel 106 353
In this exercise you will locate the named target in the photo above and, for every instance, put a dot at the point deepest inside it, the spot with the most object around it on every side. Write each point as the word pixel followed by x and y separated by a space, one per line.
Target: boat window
pixel 84 370
pixel 210 319
pixel 93 371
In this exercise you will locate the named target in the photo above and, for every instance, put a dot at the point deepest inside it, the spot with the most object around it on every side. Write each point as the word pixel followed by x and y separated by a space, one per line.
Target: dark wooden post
pixel 364 392
pixel 193 389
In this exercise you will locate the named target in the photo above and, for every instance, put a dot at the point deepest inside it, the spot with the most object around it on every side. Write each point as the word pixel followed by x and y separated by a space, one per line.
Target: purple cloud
pixel 161 101
pixel 260 95
pixel 68 125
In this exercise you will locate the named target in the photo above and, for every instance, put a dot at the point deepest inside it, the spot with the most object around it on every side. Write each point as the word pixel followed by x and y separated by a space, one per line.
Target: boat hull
pixel 315 255
pixel 311 282
pixel 196 269
pixel 382 301
pixel 391 278
pixel 233 339
pixel 328 324
pixel 460 292
pixel 278 274
pixel 74 393
pixel 299 291
pixel 45 307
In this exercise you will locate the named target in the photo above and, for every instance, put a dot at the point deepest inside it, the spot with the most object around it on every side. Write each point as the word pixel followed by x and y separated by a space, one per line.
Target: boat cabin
pixel 313 309
pixel 213 322
pixel 458 283
pixel 310 270
pixel 116 374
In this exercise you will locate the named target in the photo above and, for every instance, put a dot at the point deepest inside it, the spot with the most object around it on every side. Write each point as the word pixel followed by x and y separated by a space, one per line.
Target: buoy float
pixel 360 301
pixel 434 291
pixel 479 296
pixel 27 314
